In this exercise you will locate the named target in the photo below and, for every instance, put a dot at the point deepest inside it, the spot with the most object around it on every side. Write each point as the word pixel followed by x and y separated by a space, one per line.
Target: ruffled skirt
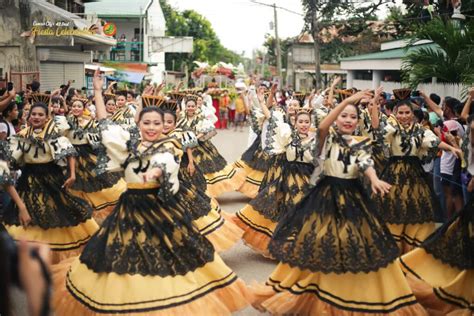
pixel 147 258
pixel 336 258
pixel 253 164
pixel 441 272
pixel 58 218
pixel 409 208
pixel 101 191
pixel 260 217
pixel 220 177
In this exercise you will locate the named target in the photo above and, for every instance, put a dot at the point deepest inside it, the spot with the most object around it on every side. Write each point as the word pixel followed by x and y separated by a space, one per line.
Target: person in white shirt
pixel 8 115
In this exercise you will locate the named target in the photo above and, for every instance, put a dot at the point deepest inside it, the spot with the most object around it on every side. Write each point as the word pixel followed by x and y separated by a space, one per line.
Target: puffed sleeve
pixel 429 146
pixel 169 183
pixel 61 124
pixel 364 155
pixel 112 151
pixel 188 140
pixel 61 148
pixel 277 134
pixel 204 126
pixel 15 155
pixel 5 174
pixel 386 132
pixel 256 115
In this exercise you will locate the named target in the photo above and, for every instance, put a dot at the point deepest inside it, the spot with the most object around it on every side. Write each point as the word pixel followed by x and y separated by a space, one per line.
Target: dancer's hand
pixel 23 215
pixel 69 182
pixel 152 174
pixel 191 169
pixel 380 187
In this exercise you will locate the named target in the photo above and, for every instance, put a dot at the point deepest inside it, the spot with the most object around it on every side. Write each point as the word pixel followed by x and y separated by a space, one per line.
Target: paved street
pixel 250 266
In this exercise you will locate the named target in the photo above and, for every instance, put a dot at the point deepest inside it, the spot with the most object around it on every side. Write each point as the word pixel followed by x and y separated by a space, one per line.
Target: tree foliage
pixel 206 46
pixel 451 61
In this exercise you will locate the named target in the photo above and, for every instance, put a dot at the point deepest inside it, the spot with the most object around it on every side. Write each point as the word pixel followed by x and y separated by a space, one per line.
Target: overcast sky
pixel 241 24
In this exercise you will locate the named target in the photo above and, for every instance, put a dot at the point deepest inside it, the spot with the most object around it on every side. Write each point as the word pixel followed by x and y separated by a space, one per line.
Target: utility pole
pixel 277 44
pixel 317 48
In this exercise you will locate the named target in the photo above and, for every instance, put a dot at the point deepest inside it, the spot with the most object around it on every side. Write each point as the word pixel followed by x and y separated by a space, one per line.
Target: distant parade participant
pixel 147 258
pixel 102 191
pixel 336 256
pixel 220 177
pixel 441 271
pixel 48 212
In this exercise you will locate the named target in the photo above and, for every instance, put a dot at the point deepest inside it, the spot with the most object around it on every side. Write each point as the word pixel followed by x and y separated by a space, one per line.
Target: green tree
pixel 451 60
pixel 206 45
pixel 271 54
pixel 320 14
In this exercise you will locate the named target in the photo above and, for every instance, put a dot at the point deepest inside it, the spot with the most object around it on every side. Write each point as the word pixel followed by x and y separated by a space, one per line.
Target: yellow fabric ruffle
pixel 253 179
pixel 222 233
pixel 409 236
pixel 291 291
pixel 104 198
pixel 439 287
pixel 227 180
pixel 210 290
pixel 64 241
pixel 258 230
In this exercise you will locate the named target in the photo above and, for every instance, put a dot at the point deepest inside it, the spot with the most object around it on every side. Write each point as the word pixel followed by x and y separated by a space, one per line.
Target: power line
pixel 278 7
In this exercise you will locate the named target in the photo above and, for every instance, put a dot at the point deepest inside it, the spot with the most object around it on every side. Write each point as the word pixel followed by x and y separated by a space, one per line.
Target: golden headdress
pixel 153 100
pixel 40 97
pixel 402 94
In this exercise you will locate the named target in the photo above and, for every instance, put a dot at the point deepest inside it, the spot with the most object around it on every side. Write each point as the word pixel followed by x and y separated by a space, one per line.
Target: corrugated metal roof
pixel 117 8
pixel 390 53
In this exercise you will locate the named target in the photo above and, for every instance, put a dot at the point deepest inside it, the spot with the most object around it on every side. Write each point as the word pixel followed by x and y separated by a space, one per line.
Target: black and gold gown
pixel 58 218
pixel 220 177
pixel 101 191
pixel 254 162
pixel 147 257
pixel 441 271
pixel 261 215
pixel 335 256
pixel 205 211
pixel 410 206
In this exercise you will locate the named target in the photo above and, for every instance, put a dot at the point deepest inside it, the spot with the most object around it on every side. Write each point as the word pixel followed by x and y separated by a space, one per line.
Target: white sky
pixel 241 25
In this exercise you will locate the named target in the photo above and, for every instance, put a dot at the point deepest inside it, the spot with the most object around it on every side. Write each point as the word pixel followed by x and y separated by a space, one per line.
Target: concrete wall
pixel 443 90
pixel 15 51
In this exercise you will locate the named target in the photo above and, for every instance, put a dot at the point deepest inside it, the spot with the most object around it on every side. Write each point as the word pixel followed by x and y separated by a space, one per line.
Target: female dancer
pixel 254 162
pixel 441 271
pixel 205 211
pixel 410 206
pixel 220 178
pixel 51 214
pixel 101 191
pixel 260 217
pixel 336 257
pixel 147 257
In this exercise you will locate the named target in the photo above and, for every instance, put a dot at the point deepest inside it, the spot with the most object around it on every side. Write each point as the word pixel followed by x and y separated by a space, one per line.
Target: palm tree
pixel 450 58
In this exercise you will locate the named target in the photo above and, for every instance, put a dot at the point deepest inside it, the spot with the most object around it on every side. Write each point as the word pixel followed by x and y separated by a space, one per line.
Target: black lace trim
pixel 49 205
pixel 453 243
pixel 285 191
pixel 255 157
pixel 144 237
pixel 411 199
pixel 333 230
pixel 208 158
pixel 86 178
